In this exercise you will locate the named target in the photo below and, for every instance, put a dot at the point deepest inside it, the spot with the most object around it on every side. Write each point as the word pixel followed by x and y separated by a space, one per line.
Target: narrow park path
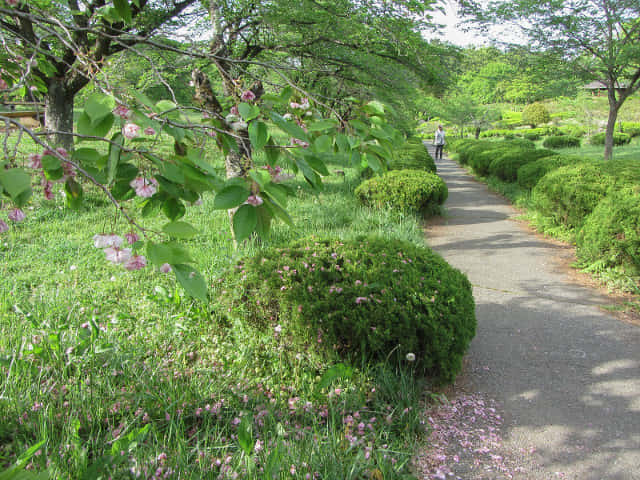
pixel 561 376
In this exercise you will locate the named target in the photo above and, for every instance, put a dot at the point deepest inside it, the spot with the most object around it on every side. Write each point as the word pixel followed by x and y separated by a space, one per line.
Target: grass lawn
pixel 115 373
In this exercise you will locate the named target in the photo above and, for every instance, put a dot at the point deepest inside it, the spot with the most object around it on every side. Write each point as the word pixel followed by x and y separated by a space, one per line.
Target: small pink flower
pixel 248 96
pixel 295 105
pixel 136 262
pixel 234 110
pixel 35 161
pixel 117 255
pixel 104 241
pixel 165 268
pixel 132 237
pixel 361 299
pixel 130 130
pixel 144 187
pixel 149 131
pixel 16 215
pixel 122 112
pixel 3 226
pixel 302 143
pixel 62 152
pixel 48 191
pixel 255 200
pixel 3 84
pixel 292 469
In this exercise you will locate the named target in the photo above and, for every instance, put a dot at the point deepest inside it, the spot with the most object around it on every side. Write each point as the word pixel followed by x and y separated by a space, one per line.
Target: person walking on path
pixel 439 142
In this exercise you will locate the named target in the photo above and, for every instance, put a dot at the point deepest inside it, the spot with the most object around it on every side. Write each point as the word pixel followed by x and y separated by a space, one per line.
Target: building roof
pixel 599 85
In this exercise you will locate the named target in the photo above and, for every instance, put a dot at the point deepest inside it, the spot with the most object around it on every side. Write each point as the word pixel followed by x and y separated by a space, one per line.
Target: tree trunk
pixel 477 133
pixel 611 125
pixel 58 113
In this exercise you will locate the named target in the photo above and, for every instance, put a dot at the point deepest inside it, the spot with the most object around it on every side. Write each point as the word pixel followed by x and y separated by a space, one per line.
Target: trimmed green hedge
pixel 506 166
pixel 618 139
pixel 366 299
pixel 611 234
pixel 412 156
pixel 561 141
pixel 531 173
pixel 414 190
pixel 567 195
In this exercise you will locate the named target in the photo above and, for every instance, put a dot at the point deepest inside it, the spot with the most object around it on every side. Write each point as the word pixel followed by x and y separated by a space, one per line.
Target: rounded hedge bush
pixel 530 174
pixel 480 159
pixel 618 139
pixel 567 195
pixel 367 299
pixel 561 141
pixel 506 166
pixel 611 234
pixel 412 156
pixel 415 190
pixel 535 114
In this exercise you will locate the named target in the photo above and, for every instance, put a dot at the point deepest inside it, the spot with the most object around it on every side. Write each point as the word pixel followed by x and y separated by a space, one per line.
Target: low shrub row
pixel 618 139
pixel 368 299
pixel 561 141
pixel 596 200
pixel 411 190
pixel 412 155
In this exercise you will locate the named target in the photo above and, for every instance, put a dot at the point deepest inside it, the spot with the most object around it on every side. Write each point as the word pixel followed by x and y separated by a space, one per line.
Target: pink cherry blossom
pixel 35 161
pixel 48 192
pixel 136 262
pixel 149 131
pixel 117 255
pixel 16 215
pixel 130 130
pixel 132 237
pixel 107 240
pixel 295 105
pixel 144 187
pixel 361 299
pixel 305 104
pixel 165 268
pixel 302 143
pixel 255 200
pixel 3 226
pixel 248 96
pixel 122 112
pixel 234 110
pixel 62 152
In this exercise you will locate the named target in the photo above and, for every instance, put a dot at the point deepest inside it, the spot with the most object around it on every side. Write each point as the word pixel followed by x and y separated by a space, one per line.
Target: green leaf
pixel 123 10
pixel 121 190
pixel 191 280
pixel 52 167
pixel 173 172
pixel 89 156
pixel 114 156
pixel 164 106
pixel 180 230
pixel 261 177
pixel 272 151
pixel 291 128
pixel 343 143
pixel 248 112
pixel 286 93
pixel 17 183
pixel 230 197
pixel 375 163
pixel 277 193
pixel 245 436
pixel 73 194
pixel 338 371
pixel 374 107
pixel 264 221
pixel 309 174
pixel 99 106
pixel 84 127
pixel 317 164
pixel 323 143
pixel 142 98
pixel 168 252
pixel 258 134
pixel 174 209
pixel 245 221
pixel 322 125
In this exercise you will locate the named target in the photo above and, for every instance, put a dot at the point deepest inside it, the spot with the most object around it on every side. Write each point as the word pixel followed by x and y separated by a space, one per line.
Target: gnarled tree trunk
pixel 59 113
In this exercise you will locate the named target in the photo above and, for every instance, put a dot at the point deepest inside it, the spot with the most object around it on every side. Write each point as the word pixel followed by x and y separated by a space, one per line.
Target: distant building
pixel 597 87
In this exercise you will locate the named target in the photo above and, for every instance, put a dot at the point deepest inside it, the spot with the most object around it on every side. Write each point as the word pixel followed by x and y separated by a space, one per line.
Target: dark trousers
pixel 439 151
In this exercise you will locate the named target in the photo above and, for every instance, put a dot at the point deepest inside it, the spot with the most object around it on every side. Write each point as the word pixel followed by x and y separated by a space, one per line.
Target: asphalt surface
pixel 565 373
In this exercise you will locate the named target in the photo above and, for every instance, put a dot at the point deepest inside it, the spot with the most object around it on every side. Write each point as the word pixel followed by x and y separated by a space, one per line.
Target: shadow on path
pixel 567 375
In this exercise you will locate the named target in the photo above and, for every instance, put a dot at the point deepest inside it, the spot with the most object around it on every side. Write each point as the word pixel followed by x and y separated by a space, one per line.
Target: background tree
pixel 535 114
pixel 66 43
pixel 600 37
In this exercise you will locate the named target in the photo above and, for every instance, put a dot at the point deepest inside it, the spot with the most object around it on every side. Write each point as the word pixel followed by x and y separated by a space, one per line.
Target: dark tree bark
pixel 59 113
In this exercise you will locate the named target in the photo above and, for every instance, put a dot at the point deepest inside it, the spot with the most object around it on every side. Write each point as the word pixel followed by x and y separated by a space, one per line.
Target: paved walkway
pixel 565 375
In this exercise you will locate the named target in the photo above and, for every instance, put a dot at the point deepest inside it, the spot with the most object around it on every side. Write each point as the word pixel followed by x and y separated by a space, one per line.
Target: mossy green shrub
pixel 533 136
pixel 454 144
pixel 529 174
pixel 366 299
pixel 506 166
pixel 631 128
pixel 413 190
pixel 618 139
pixel 571 130
pixel 561 141
pixel 469 148
pixel 535 114
pixel 412 156
pixel 480 159
pixel 567 195
pixel 610 236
